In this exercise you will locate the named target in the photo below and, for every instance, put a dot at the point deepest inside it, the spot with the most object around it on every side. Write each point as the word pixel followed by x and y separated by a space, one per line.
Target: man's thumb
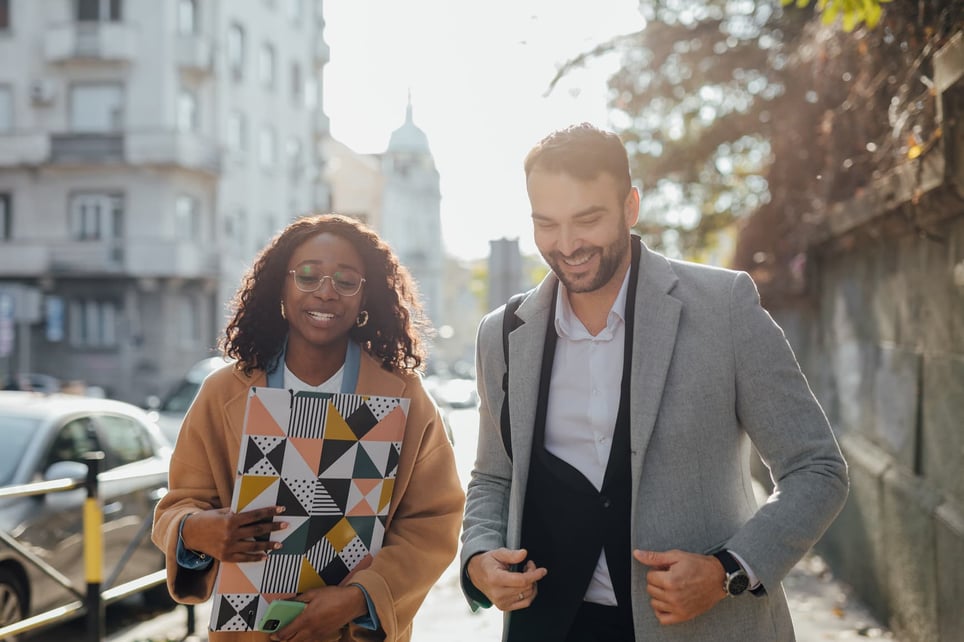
pixel 511 556
pixel 653 558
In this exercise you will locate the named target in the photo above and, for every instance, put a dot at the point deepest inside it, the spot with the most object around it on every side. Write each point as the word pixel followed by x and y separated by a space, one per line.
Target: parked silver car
pixel 46 437
pixel 171 409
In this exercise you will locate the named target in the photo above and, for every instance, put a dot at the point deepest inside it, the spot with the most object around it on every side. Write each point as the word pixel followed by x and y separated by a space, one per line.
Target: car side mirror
pixel 66 470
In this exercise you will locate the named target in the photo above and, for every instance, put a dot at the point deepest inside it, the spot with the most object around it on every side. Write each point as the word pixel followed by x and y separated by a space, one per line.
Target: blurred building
pixel 397 193
pixel 505 271
pixel 147 151
pixel 356 182
pixel 411 220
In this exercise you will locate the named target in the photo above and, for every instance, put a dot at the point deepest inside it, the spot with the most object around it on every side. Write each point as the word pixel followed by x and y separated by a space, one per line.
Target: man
pixel 625 510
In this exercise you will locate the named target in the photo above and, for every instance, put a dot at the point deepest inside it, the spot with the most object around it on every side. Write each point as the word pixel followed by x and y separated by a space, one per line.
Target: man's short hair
pixel 584 152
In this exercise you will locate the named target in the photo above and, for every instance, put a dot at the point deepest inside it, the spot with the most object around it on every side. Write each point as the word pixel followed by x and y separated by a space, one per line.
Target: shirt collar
pixel 569 326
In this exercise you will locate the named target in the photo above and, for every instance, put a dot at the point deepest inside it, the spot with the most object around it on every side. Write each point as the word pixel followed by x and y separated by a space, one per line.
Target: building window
pixel 297 85
pixel 294 151
pixel 269 229
pixel 268 148
pixel 240 231
pixel 236 51
pixel 237 132
pixel 187 118
pixel 187 218
pixel 189 321
pixel 6 108
pixel 98 10
pixel 96 108
pixel 92 323
pixel 311 93
pixel 4 15
pixel 96 217
pixel 6 216
pixel 187 24
pixel 267 65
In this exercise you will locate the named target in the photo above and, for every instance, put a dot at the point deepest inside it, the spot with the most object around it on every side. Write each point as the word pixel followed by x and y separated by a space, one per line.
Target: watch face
pixel 737 583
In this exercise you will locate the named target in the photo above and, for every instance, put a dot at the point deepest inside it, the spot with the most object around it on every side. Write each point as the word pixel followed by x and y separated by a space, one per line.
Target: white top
pixel 332 385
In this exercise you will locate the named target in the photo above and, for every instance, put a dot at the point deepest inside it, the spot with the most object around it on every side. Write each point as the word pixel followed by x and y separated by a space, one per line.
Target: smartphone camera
pixel 271 625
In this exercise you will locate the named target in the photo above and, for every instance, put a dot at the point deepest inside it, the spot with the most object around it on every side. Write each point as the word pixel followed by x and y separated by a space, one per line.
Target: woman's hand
pixel 328 609
pixel 229 536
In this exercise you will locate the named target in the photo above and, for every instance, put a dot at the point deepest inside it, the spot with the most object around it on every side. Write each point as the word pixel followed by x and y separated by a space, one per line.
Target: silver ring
pixel 522 596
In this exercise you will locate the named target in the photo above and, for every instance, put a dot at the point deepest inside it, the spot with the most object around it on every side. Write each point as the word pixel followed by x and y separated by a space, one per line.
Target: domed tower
pixel 411 222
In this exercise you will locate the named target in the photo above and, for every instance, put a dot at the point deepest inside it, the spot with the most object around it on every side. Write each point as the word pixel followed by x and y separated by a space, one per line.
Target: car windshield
pixel 180 399
pixel 17 433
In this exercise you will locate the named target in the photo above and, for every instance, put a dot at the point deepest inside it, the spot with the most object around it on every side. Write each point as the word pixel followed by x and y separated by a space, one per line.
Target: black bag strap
pixel 509 323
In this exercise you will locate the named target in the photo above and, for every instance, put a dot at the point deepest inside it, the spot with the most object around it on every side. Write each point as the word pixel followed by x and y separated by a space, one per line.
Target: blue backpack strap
pixel 509 323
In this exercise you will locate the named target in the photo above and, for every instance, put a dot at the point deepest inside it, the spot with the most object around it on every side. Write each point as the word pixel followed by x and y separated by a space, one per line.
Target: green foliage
pixel 851 12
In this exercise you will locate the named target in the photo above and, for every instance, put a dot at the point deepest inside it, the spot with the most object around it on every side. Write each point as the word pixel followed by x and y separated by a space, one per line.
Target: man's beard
pixel 610 258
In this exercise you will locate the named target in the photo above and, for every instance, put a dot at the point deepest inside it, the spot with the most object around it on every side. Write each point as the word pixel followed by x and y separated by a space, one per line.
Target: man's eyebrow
pixel 588 211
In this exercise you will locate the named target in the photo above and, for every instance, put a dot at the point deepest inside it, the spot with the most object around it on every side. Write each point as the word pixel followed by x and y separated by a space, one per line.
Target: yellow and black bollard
pixel 94 549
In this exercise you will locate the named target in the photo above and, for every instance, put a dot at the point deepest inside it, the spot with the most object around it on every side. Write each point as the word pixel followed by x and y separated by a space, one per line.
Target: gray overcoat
pixel 711 373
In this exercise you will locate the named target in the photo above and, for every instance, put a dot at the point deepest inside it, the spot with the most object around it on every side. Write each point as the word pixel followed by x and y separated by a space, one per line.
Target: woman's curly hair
pixel 396 328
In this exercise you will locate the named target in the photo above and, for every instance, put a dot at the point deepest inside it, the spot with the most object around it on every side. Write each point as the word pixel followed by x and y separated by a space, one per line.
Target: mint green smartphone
pixel 279 614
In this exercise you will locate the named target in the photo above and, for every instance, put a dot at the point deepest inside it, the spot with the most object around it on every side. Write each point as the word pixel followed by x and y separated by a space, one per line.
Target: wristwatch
pixel 737 581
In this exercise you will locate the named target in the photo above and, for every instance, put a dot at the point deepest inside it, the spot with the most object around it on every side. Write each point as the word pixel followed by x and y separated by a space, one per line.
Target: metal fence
pixel 91 599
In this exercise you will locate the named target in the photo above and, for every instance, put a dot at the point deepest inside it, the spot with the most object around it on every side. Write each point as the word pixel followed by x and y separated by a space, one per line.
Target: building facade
pixel 410 217
pixel 147 151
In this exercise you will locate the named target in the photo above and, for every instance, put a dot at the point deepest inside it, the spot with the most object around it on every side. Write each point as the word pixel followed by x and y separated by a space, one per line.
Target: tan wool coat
pixel 424 518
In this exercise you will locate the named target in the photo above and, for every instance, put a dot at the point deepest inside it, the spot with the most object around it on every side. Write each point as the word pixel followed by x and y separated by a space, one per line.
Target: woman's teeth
pixel 321 316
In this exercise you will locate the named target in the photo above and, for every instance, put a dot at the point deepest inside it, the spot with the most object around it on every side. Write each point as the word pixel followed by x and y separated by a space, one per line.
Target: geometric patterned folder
pixel 330 460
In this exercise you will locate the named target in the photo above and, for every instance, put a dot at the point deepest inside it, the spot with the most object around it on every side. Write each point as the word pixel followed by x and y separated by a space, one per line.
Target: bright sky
pixel 478 73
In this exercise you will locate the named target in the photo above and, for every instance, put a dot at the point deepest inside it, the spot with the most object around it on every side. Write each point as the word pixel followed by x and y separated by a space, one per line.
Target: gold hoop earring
pixel 283 315
pixel 361 319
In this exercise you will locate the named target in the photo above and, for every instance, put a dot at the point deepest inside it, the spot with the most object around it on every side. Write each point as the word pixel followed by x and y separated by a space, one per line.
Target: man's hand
pixel 681 585
pixel 508 590
pixel 229 536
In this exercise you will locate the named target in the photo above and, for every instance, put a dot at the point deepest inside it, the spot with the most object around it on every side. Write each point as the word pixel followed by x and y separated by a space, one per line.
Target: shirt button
pixel 606 502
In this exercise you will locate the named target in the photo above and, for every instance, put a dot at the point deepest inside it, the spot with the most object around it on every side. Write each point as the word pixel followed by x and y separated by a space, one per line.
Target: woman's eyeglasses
pixel 345 283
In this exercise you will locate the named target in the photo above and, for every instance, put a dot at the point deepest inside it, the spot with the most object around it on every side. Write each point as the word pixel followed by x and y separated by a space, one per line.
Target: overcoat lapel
pixel 657 321
pixel 525 363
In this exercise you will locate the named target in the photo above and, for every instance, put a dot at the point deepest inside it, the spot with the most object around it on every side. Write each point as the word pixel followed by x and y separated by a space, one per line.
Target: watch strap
pixel 732 567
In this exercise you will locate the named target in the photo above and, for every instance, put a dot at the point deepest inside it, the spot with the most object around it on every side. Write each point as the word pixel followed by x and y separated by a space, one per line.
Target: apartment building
pixel 148 149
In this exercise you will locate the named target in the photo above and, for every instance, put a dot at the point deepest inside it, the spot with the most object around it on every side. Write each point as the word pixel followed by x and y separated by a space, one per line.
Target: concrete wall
pixel 882 343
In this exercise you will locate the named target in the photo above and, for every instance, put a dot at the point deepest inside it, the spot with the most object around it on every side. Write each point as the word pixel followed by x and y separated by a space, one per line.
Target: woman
pixel 327 307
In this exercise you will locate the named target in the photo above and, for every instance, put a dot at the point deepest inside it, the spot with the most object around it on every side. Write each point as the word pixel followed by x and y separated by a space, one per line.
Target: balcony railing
pixel 195 53
pixel 170 258
pixel 173 148
pixel 23 148
pixel 86 148
pixel 160 147
pixel 108 41
pixel 136 257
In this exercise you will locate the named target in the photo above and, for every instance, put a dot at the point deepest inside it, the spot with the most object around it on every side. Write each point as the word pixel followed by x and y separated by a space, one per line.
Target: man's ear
pixel 631 207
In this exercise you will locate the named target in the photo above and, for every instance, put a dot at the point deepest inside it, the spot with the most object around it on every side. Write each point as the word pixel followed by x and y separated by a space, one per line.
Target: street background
pixel 822 607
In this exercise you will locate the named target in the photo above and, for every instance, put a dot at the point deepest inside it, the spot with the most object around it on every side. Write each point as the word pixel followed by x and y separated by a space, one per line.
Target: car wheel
pixel 12 606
